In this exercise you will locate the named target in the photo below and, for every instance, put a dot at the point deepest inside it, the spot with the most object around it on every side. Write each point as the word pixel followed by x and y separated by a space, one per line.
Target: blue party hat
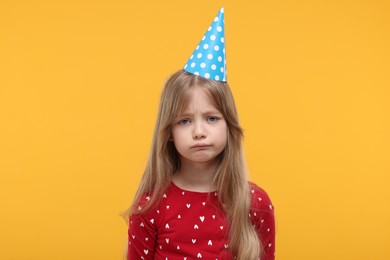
pixel 209 59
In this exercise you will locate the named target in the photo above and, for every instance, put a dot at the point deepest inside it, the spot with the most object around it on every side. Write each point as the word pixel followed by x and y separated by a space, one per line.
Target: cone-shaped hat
pixel 208 59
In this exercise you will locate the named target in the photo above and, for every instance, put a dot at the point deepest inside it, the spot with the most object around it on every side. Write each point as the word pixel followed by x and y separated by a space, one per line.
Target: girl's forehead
pixel 200 100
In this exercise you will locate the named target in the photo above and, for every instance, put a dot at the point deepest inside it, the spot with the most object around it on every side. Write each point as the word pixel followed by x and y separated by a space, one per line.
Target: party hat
pixel 208 59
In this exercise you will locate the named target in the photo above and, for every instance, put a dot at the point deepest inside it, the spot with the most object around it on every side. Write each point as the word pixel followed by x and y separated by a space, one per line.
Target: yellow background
pixel 79 88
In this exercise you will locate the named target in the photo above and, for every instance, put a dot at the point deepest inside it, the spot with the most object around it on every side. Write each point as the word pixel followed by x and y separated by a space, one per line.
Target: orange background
pixel 79 88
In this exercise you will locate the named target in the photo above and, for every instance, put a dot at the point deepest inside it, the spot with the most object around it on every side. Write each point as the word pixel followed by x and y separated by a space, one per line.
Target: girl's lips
pixel 200 145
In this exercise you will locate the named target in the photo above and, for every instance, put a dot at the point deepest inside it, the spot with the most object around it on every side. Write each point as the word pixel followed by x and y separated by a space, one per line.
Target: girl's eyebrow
pixel 212 112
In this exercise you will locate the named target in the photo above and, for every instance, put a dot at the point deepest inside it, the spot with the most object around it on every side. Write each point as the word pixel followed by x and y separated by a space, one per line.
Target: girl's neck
pixel 195 177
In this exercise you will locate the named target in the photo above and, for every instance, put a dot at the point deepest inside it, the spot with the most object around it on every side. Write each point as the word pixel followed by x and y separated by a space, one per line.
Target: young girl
pixel 194 200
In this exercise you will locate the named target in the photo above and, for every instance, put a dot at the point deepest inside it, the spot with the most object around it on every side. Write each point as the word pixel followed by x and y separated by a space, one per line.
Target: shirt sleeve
pixel 141 237
pixel 263 219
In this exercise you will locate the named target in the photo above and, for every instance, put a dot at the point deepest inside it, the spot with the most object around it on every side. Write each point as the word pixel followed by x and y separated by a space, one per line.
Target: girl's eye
pixel 212 118
pixel 184 122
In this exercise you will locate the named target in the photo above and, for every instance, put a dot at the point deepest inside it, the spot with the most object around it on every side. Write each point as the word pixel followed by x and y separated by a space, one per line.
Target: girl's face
pixel 200 133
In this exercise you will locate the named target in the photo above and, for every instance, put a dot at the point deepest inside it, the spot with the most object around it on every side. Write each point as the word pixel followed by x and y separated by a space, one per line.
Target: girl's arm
pixel 263 218
pixel 142 237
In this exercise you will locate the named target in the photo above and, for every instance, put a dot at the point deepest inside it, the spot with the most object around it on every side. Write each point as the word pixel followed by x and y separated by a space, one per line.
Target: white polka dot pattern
pixel 208 59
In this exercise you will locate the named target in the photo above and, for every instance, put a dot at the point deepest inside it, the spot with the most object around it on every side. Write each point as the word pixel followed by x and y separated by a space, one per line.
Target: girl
pixel 194 200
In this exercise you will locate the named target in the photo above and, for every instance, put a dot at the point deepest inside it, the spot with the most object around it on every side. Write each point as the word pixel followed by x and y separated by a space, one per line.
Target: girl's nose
pixel 199 131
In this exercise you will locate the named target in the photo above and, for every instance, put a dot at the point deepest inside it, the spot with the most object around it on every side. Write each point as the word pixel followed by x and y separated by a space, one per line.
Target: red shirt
pixel 192 225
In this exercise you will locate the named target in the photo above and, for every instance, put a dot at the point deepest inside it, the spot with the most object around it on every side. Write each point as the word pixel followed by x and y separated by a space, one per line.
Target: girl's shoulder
pixel 141 202
pixel 260 199
pixel 147 198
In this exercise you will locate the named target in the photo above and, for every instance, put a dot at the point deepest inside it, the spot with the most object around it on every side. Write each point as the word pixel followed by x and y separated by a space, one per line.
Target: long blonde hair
pixel 231 176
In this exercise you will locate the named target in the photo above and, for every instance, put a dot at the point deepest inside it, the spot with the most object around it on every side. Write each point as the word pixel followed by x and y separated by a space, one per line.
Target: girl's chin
pixel 200 160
